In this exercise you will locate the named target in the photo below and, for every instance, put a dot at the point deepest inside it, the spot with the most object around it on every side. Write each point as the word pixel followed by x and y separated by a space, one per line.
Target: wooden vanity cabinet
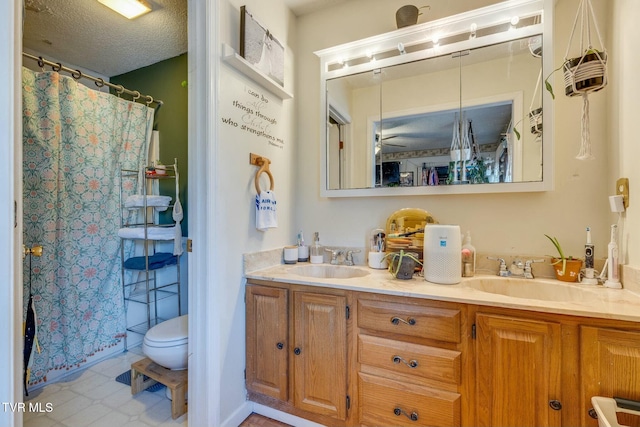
pixel 410 361
pixel 344 358
pixel 267 341
pixel 296 349
pixel 610 366
pixel 518 367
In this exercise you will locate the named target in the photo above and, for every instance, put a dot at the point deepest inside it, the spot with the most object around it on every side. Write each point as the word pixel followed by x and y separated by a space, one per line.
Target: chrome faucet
pixel 502 272
pixel 528 274
pixel 348 258
pixel 335 254
pixel 339 256
pixel 517 268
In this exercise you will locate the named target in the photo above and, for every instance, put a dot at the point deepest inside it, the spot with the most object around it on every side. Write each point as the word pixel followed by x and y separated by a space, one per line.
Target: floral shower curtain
pixel 75 141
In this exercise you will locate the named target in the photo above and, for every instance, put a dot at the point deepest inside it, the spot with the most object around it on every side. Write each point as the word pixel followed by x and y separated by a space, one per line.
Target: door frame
pixel 10 209
pixel 204 348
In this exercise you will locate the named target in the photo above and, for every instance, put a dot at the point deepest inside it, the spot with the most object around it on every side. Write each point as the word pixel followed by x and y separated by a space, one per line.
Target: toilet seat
pixel 167 343
pixel 170 333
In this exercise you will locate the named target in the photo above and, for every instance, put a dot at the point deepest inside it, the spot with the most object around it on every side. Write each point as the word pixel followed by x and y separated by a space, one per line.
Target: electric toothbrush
pixel 613 276
pixel 589 273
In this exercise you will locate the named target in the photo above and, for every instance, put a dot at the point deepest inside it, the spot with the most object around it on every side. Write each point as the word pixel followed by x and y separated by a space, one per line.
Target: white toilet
pixel 166 343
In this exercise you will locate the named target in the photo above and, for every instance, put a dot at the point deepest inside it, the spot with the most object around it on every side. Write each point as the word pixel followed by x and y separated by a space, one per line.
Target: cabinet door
pixel 610 366
pixel 517 371
pixel 320 354
pixel 267 331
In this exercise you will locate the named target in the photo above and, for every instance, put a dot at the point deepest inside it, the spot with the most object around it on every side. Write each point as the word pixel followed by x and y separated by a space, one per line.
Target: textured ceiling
pixel 87 34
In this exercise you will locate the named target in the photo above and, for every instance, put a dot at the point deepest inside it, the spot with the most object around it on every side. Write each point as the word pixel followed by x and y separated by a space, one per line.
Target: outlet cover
pixel 622 188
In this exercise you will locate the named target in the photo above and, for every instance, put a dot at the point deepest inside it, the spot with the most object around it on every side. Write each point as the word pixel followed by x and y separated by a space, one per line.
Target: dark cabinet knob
pixel 297 351
pixel 280 346
pixel 555 405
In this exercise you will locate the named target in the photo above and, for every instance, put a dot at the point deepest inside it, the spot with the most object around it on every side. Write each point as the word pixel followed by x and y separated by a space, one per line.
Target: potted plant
pixel 402 264
pixel 584 73
pixel 567 268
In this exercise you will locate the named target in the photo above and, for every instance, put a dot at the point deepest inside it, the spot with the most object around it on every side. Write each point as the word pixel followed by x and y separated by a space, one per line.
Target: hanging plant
pixel 585 73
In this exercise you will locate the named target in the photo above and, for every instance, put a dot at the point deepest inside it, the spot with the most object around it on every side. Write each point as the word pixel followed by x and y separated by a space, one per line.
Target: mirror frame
pixel 498 14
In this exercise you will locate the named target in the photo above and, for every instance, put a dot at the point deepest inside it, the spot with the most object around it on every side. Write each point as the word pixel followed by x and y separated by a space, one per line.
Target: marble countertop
pixel 542 295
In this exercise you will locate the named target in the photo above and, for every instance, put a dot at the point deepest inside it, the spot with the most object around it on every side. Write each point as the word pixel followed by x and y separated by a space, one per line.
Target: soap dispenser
pixel 316 251
pixel 468 257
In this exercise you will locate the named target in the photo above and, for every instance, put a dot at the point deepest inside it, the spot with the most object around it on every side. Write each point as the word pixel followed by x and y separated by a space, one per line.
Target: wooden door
pixel 517 371
pixel 320 354
pixel 267 341
pixel 610 366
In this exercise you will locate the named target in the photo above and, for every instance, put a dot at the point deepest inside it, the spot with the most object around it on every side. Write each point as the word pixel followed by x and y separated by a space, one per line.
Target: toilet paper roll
pixel 377 260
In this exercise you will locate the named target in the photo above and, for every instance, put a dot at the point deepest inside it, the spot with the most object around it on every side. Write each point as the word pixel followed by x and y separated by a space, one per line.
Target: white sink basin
pixel 326 271
pixel 534 289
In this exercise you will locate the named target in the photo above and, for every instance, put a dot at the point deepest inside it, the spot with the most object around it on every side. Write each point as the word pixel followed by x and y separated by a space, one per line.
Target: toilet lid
pixel 171 330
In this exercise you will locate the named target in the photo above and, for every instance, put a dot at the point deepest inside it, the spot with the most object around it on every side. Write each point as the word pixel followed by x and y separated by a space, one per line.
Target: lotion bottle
pixel 468 257
pixel 317 251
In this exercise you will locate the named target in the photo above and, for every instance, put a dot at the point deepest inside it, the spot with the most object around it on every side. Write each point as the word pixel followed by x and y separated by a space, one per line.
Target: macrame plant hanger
pixel 587 73
pixel 456 147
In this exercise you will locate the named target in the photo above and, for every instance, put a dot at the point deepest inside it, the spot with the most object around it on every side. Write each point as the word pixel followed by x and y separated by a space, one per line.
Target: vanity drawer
pixel 385 402
pixel 411 359
pixel 442 324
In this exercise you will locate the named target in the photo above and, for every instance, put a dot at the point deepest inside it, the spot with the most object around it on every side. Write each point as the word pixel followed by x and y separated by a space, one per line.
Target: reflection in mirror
pixel 448 119
pixel 415 149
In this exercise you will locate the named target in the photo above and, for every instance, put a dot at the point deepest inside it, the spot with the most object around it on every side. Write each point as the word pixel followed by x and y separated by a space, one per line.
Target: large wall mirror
pixel 452 106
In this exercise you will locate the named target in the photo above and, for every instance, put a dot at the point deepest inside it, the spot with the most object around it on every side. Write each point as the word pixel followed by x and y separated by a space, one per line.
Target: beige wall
pixel 236 230
pixel 623 108
pixel 500 223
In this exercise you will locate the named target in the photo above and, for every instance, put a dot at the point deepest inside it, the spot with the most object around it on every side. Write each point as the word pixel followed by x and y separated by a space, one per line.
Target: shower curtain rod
pixel 77 75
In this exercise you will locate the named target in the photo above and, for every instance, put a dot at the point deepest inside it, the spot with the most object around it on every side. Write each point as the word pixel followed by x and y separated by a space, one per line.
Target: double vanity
pixel 353 346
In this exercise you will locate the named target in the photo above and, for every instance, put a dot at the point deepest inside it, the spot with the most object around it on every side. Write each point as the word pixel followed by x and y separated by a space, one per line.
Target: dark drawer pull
pixel 297 351
pixel 411 363
pixel 555 405
pixel 280 346
pixel 413 416
pixel 410 320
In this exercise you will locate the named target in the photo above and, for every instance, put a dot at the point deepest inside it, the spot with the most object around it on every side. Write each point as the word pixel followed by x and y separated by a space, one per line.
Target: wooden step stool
pixel 176 381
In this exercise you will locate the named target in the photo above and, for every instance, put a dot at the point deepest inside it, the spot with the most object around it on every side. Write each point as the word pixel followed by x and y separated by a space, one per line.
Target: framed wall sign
pixel 260 48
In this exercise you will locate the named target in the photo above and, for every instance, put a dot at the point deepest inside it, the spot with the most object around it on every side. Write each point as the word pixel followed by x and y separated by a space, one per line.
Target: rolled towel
pixel 153 233
pixel 161 203
pixel 266 211
pixel 157 260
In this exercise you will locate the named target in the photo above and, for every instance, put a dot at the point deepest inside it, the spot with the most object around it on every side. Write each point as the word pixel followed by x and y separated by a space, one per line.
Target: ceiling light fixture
pixel 128 8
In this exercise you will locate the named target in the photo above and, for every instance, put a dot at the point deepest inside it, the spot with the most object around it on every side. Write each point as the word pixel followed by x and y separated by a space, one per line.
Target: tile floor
pixel 93 398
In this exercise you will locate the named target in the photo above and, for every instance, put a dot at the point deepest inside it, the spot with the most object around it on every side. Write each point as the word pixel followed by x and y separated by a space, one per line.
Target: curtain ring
pixel 149 100
pixel 100 82
pixel 119 90
pixel 41 63
pixel 57 67
pixel 136 95
pixel 77 74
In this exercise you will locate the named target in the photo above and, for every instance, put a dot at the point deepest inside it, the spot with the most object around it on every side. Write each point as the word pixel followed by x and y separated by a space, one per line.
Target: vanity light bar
pixel 473 32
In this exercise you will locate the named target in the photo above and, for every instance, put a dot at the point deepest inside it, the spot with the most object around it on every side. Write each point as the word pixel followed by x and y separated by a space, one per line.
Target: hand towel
pixel 153 233
pixel 155 261
pixel 266 211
